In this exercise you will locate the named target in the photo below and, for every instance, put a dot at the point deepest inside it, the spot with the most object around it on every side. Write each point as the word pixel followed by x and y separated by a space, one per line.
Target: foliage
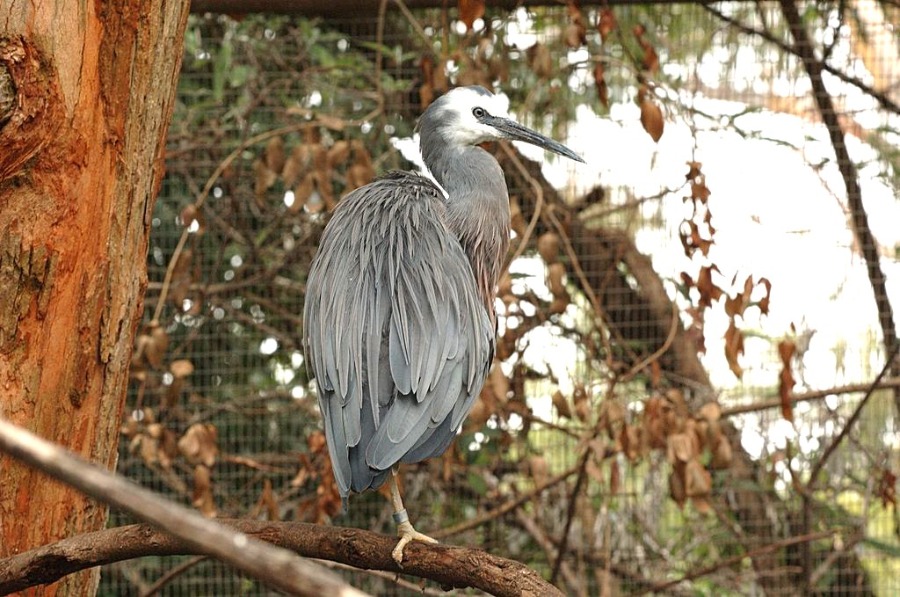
pixel 623 460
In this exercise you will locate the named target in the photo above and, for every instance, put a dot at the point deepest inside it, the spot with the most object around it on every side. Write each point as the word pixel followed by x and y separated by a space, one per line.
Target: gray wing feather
pixel 395 333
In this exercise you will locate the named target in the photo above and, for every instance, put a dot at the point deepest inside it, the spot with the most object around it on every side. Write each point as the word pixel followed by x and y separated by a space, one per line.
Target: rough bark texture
pixel 449 566
pixel 86 92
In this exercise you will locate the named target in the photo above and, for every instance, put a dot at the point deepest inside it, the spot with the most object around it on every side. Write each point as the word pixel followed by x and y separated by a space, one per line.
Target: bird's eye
pixel 479 112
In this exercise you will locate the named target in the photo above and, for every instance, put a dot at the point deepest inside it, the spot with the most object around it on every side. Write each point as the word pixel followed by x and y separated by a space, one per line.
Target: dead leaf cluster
pixel 310 169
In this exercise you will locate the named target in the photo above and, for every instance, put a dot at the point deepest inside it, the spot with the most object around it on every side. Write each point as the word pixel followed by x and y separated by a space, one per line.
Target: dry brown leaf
pixel 338 154
pixel 721 454
pixel 763 303
pixel 652 119
pixel 181 368
pixel 555 279
pixel 548 247
pixel 677 485
pixel 606 22
pixel 582 403
pixel 263 179
pixel 562 405
pixel 202 497
pixel 274 154
pixel 709 292
pixel 600 83
pixel 734 348
pixel 269 501
pixel 199 444
pixel 786 381
pixel 499 383
pixel 470 11
pixel 539 60
pixel 698 481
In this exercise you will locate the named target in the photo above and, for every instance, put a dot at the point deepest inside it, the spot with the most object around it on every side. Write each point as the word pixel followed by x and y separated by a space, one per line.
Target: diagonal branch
pixel 868 245
pixel 882 98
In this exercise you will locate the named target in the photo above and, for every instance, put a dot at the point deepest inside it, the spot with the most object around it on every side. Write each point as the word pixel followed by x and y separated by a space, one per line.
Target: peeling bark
pixel 84 104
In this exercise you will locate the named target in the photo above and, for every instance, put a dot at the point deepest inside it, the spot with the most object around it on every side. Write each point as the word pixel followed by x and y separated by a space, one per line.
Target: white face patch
pixel 462 126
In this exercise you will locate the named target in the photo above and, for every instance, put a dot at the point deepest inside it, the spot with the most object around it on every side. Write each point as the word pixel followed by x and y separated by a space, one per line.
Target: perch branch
pixel 242 543
pixel 276 567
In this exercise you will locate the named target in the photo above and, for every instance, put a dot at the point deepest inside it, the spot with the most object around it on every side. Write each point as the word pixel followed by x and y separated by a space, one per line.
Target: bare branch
pixel 196 534
pixel 243 544
pixel 449 566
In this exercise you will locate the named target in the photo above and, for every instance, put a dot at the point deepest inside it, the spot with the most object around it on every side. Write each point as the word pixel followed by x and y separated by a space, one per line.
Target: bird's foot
pixel 407 533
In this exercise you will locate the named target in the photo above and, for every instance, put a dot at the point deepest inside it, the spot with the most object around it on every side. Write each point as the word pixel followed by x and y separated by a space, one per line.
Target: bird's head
pixel 473 115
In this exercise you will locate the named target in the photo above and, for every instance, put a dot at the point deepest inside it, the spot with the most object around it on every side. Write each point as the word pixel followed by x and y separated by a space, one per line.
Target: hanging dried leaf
pixel 191 215
pixel 338 154
pixel 199 444
pixel 650 59
pixel 711 411
pixel 297 165
pixel 676 485
pixel 734 348
pixel 440 81
pixel 499 383
pixel 361 172
pixel 556 279
pixel 539 60
pixel 538 469
pixel 426 95
pixel 582 403
pixel 516 219
pixel 548 247
pixel 763 303
pixel 181 368
pixel 630 439
pixel 606 22
pixel 302 193
pixel 153 345
pixel 274 153
pixel 681 447
pixel 698 481
pixel 600 82
pixel 269 502
pixel 652 119
pixel 709 292
pixel 721 454
pixel 559 304
pixel 887 488
pixel 786 381
pixel 576 31
pixel 470 11
pixel 562 405
pixel 202 497
pixel 263 179
pixel 694 170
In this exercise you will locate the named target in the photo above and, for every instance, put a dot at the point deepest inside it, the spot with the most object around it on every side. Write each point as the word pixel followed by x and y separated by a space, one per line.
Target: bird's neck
pixel 477 209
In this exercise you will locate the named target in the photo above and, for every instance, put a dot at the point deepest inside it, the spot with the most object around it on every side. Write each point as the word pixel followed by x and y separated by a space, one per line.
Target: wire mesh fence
pixel 685 328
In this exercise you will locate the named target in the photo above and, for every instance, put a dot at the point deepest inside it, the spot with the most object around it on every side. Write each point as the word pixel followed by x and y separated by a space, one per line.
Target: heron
pixel 399 323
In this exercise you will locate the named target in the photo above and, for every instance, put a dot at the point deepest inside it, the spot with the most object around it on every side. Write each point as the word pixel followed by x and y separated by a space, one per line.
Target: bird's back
pixel 397 335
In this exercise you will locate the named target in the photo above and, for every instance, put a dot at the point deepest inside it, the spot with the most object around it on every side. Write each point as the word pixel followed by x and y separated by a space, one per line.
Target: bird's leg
pixel 405 529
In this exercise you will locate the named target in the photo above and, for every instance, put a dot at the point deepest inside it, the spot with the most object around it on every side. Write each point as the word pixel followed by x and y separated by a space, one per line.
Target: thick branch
pixel 276 567
pixel 184 531
pixel 446 565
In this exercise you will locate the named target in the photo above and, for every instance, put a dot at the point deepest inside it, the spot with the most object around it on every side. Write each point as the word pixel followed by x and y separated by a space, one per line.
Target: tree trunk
pixel 86 93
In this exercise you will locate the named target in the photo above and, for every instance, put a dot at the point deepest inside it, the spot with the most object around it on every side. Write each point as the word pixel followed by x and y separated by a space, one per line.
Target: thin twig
pixel 504 508
pixel 728 562
pixel 814 474
pixel 172 574
pixel 891 383
pixel 570 515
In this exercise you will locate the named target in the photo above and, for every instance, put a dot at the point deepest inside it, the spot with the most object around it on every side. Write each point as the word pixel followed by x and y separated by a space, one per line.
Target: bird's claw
pixel 407 533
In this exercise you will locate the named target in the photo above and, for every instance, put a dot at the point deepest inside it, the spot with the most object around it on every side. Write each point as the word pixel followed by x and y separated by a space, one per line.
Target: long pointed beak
pixel 511 129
